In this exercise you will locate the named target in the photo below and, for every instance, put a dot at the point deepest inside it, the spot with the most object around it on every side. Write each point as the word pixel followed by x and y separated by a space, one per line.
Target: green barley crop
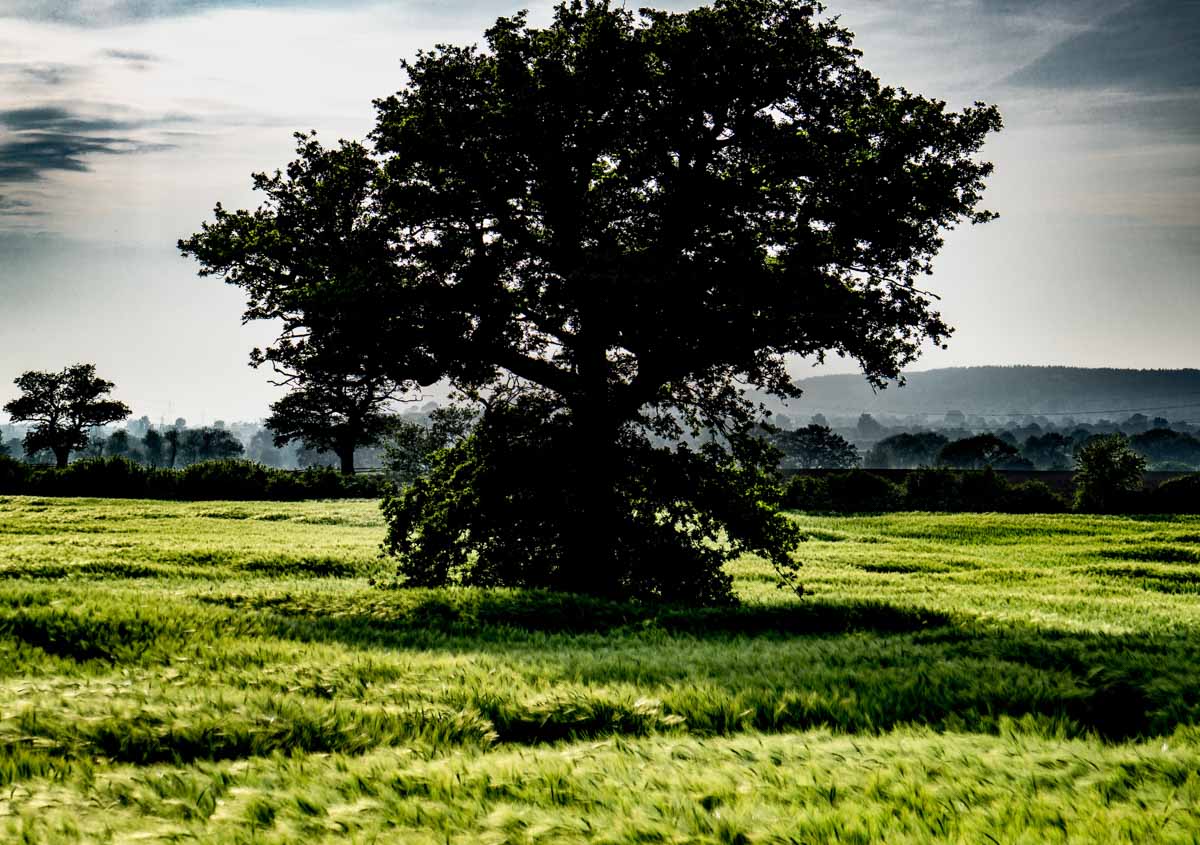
pixel 232 672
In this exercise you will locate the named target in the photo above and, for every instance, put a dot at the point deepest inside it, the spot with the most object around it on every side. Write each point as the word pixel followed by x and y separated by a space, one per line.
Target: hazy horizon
pixel 122 123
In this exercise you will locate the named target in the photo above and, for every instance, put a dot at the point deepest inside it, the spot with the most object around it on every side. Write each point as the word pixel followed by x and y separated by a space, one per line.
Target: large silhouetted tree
pixel 62 407
pixel 609 227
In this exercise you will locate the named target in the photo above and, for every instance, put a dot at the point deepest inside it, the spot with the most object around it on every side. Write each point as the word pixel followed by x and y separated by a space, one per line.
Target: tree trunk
pixel 346 456
pixel 592 545
pixel 60 456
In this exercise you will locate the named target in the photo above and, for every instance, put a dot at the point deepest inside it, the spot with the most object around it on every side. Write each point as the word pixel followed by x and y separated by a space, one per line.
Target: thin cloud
pixel 42 139
pixel 138 57
pixel 1149 45
pixel 100 13
pixel 42 73
pixel 12 207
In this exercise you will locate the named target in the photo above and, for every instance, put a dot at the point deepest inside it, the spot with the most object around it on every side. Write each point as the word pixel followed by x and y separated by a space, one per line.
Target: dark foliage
pixel 1048 451
pixel 1031 497
pixel 807 493
pixel 1162 446
pixel 1179 495
pixel 933 490
pixel 222 479
pixel 922 490
pixel 411 445
pixel 674 503
pixel 14 475
pixel 1108 476
pixel 906 451
pixel 984 450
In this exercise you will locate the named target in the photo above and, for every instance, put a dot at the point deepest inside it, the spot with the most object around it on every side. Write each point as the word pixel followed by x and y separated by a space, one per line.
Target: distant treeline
pixel 177 445
pixel 119 477
pixel 862 491
pixel 872 445
pixel 998 392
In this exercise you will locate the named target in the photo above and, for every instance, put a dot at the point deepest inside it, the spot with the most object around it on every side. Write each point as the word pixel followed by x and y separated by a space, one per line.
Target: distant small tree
pixel 906 451
pixel 171 438
pixel 1136 424
pixel 118 444
pixel 984 450
pixel 1048 451
pixel 63 408
pixel 152 447
pixel 869 428
pixel 207 444
pixel 334 413
pixel 264 450
pixel 815 447
pixel 1107 474
pixel 411 444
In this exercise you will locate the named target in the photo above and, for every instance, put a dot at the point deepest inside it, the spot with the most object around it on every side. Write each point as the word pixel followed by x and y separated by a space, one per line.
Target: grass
pixel 229 673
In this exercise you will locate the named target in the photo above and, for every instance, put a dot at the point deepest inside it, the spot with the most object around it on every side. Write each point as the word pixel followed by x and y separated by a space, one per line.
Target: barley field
pixel 232 672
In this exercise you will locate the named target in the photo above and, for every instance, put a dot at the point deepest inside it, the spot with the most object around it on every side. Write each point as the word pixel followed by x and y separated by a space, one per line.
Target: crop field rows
pixel 233 672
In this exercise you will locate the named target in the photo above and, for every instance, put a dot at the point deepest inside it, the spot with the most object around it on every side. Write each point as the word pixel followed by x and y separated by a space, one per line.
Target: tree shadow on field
pixel 852 666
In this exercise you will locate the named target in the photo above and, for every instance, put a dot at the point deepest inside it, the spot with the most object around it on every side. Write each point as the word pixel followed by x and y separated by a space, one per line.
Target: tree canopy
pixel 815 447
pixel 63 406
pixel 605 230
pixel 906 450
pixel 980 451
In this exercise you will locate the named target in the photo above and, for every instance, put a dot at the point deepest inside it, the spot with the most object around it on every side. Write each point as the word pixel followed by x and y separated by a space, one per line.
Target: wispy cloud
pixel 137 57
pixel 41 139
pixel 42 74
pixel 12 207
pixel 117 12
pixel 1149 45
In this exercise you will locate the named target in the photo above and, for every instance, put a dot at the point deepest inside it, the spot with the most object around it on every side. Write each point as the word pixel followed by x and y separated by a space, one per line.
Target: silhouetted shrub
pixel 1032 497
pixel 221 479
pixel 224 479
pixel 1179 495
pixel 807 493
pixel 14 475
pixel 933 490
pixel 118 478
pixel 982 491
pixel 859 492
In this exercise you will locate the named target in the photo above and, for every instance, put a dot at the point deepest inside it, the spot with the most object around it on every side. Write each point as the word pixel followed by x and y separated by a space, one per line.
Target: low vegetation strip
pixel 233 671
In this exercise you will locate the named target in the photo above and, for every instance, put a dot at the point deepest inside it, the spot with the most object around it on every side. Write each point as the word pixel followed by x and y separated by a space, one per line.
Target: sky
pixel 122 122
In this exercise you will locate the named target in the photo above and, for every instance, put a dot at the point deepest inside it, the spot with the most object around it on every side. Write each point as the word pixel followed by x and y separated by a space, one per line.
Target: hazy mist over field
pixel 122 123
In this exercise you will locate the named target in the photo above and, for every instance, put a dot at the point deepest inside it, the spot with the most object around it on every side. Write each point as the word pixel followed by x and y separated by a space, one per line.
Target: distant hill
pixel 1086 394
